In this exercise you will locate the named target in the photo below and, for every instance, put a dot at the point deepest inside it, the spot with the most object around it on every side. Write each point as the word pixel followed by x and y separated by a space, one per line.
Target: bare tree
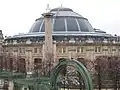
pixel 8 62
pixel 89 64
pixel 21 65
pixel 37 66
pixel 114 70
pixel 107 69
pixel 100 68
pixel 47 65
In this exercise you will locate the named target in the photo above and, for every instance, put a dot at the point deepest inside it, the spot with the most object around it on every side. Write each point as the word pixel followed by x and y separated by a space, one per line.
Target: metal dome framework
pixel 64 20
pixel 64 24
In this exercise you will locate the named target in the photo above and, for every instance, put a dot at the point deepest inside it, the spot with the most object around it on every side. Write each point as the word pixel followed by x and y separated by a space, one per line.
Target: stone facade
pixel 89 51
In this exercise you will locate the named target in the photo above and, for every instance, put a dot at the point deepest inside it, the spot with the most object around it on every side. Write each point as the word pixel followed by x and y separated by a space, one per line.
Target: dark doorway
pixel 37 65
pixel 21 65
pixel 11 64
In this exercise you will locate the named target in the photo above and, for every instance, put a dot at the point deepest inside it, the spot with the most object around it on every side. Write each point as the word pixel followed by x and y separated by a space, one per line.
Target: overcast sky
pixel 17 16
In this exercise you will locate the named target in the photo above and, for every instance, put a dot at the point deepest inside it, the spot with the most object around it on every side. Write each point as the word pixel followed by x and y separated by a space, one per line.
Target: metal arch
pixel 80 68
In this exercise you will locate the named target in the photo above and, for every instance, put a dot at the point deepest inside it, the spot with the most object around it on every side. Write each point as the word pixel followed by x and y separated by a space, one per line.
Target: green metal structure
pixel 11 75
pixel 50 83
pixel 7 76
pixel 80 68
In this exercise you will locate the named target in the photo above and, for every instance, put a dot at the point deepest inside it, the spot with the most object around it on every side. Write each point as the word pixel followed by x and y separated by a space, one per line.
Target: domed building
pixel 73 37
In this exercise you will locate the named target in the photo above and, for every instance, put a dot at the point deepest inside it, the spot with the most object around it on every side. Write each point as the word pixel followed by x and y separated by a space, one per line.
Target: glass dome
pixel 65 20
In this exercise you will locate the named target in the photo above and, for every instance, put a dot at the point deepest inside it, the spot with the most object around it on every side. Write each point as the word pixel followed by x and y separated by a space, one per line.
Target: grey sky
pixel 17 16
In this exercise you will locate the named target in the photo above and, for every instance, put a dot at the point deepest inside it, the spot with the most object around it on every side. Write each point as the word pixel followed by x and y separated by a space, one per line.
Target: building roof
pixel 64 20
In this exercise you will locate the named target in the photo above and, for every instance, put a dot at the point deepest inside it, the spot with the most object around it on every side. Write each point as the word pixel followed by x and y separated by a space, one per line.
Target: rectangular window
pixel 105 49
pixel 95 49
pixel 60 50
pixel 35 50
pixel 78 49
pixel 99 49
pixel 113 49
pixel 64 50
pixel 82 49
pixel 40 50
pixel 109 49
pixel 22 50
pixel 15 50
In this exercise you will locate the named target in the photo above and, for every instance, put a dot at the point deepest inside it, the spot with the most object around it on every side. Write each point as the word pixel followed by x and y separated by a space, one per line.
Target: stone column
pixel 72 52
pixel 29 61
pixel 48 46
pixel 43 51
pixel 15 58
pixel 90 53
pixel 48 49
pixel 54 51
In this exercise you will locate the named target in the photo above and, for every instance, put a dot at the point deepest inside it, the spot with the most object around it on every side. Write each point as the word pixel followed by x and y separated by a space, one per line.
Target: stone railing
pixel 84 41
